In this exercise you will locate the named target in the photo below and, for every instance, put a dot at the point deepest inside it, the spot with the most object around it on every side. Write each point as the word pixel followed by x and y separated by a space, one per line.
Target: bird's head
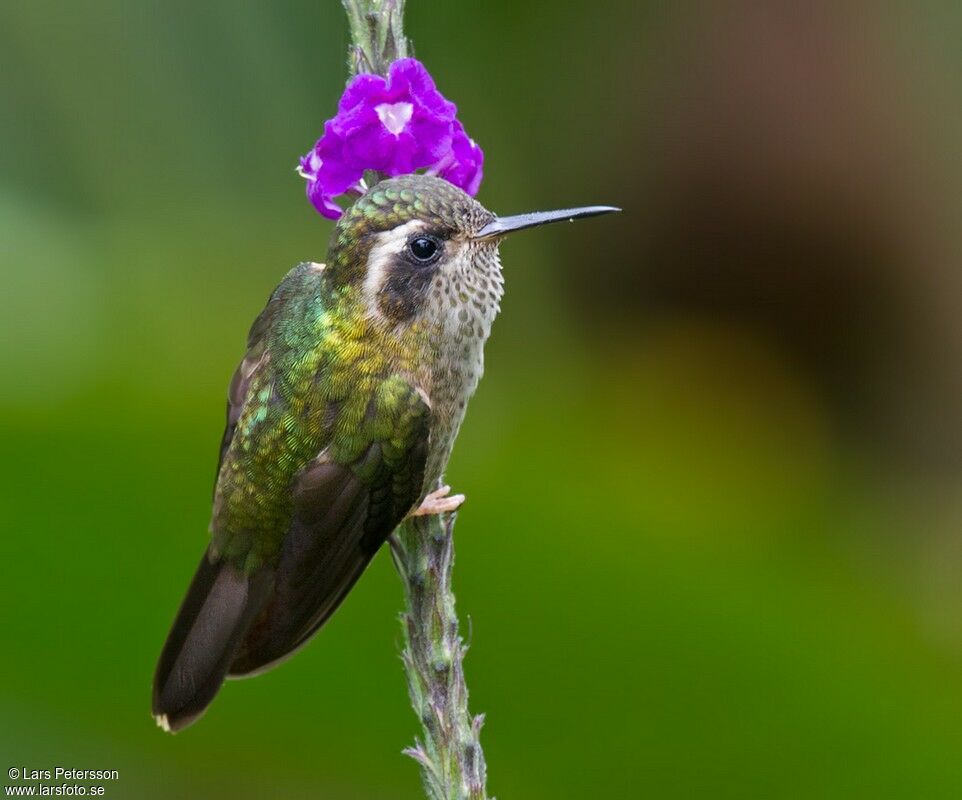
pixel 418 248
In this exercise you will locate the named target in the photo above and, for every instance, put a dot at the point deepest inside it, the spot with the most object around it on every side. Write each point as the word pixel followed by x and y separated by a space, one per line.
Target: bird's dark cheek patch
pixel 405 291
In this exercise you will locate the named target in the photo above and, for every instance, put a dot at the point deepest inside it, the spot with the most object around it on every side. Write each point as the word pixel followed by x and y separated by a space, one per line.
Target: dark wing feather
pixel 343 513
pixel 219 607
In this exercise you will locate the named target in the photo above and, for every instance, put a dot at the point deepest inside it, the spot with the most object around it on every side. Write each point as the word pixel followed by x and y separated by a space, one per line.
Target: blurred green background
pixel 712 542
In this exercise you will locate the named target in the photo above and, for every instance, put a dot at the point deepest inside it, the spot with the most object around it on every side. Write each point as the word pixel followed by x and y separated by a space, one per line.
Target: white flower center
pixel 395 116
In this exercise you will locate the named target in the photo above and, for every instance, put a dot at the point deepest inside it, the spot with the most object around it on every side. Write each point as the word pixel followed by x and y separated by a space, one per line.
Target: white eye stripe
pixel 388 245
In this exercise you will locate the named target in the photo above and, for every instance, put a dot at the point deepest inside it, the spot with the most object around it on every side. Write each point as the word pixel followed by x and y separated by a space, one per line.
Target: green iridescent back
pixel 322 381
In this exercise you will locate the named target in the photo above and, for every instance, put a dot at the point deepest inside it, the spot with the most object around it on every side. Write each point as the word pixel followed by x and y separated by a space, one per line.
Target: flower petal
pixel 434 137
pixel 465 165
pixel 363 89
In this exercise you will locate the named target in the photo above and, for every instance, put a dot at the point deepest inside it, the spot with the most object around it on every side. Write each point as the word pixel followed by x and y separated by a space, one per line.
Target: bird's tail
pixel 219 607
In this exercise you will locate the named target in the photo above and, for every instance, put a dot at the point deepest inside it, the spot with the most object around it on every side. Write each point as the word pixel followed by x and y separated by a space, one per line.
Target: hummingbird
pixel 340 421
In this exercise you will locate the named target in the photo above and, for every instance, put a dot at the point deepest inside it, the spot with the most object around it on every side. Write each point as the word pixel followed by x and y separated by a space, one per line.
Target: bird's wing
pixel 346 503
pixel 243 612
pixel 255 356
pixel 223 599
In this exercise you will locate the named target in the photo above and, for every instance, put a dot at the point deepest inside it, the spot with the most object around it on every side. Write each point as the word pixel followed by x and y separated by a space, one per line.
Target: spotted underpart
pixel 464 299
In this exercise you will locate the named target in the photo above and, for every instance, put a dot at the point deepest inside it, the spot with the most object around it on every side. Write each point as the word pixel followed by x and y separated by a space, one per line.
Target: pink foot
pixel 439 502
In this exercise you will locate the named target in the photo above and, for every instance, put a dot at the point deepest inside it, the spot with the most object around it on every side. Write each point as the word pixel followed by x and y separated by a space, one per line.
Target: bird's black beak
pixel 505 225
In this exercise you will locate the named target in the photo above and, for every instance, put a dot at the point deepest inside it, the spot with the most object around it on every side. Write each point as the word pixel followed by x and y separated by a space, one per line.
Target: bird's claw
pixel 440 501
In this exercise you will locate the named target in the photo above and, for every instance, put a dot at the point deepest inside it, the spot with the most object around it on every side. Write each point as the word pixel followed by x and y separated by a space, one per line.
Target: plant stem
pixel 449 752
pixel 377 33
pixel 450 755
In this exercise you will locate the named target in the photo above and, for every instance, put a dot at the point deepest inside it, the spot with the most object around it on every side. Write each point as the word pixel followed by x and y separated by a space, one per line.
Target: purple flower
pixel 464 165
pixel 393 125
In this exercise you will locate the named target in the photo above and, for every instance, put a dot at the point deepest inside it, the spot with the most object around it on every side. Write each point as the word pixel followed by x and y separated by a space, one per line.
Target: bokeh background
pixel 712 543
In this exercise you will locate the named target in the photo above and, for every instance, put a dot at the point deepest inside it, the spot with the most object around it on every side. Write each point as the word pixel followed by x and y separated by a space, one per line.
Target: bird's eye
pixel 424 248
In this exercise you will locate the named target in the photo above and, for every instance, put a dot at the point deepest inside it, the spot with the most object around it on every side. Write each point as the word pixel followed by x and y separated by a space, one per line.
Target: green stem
pixel 449 751
pixel 377 33
pixel 450 755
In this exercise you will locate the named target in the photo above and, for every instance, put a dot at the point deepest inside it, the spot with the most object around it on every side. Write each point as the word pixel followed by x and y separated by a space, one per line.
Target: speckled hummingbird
pixel 340 421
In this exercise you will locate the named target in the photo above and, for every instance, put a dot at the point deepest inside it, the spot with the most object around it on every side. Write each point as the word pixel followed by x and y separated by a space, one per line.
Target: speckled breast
pixel 465 304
